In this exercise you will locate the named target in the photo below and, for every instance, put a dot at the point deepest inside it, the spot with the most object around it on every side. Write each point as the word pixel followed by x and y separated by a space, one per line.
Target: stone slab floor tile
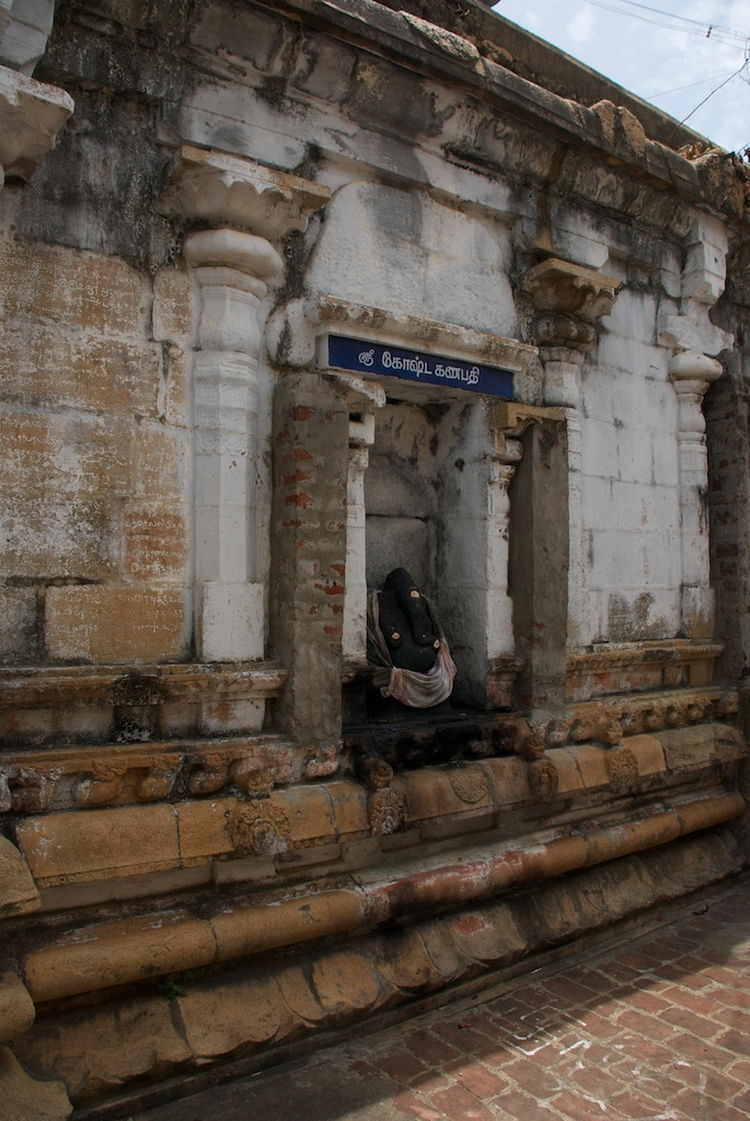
pixel 658 1030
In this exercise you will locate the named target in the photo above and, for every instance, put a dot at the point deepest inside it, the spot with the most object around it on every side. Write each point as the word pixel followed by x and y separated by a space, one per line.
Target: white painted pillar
pixel 230 270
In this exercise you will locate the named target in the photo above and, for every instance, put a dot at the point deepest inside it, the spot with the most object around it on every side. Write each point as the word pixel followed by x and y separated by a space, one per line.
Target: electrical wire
pixel 690 85
pixel 710 95
pixel 725 35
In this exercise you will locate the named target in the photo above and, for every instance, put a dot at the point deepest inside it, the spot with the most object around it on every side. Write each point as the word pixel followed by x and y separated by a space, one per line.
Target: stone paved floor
pixel 658 1029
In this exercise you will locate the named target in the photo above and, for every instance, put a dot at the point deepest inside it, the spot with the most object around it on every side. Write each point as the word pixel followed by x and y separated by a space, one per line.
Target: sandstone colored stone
pixel 487 936
pixel 649 754
pixel 63 369
pixel 349 807
pixel 592 764
pixel 155 544
pixel 114 625
pixel 220 1016
pixel 100 957
pixel 555 858
pixel 159 462
pixel 98 1050
pixel 509 778
pixel 621 840
pixel 97 844
pixel 431 793
pixel 298 995
pixel 309 813
pixel 691 748
pixel 97 292
pixel 346 982
pixel 202 830
pixel 25 1098
pixel 16 1007
pixel 172 313
pixel 18 892
pixel 252 930
pixel 709 811
pixel 443 952
pixel 569 778
pixel 406 964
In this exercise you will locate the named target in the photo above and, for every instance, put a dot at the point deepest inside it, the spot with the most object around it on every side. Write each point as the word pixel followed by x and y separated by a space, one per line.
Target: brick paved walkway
pixel 659 1029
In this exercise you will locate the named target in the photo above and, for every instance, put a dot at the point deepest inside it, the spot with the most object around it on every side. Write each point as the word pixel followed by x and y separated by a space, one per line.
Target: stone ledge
pixel 80 704
pixel 642 666
pixel 103 955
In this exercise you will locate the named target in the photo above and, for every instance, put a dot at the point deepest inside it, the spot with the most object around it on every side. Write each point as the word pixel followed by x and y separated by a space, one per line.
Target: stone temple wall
pixel 216 844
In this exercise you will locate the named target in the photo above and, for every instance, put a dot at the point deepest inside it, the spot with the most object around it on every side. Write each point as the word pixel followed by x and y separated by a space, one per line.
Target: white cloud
pixel 583 25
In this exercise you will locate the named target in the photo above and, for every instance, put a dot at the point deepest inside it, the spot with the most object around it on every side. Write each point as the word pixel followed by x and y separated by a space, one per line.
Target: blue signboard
pixel 363 357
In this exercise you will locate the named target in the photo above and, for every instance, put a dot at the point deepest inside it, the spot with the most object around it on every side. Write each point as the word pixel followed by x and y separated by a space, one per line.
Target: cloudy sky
pixel 653 50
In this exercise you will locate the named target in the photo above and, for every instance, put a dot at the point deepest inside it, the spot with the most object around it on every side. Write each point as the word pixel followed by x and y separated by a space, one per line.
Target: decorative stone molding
pixel 222 190
pixel 31 115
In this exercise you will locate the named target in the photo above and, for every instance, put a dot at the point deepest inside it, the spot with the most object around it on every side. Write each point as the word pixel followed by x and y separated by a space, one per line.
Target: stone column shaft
pixel 230 269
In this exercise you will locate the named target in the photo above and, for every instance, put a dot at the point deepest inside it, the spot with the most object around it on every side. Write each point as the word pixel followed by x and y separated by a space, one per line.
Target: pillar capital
pixel 222 190
pixel 566 289
pixel 31 115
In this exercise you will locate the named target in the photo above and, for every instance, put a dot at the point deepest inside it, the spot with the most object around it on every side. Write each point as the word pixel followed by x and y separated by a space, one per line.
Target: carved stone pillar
pixel 232 270
pixel 694 340
pixel 570 299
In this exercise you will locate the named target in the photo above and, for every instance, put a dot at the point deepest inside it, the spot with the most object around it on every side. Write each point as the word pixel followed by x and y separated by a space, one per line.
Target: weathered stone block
pixel 220 1016
pixel 16 1007
pixel 19 631
pixel 92 845
pixel 57 368
pixel 155 544
pixel 60 479
pixel 231 627
pixel 349 807
pixel 160 462
pixel 172 312
pixel 202 830
pixel 96 292
pixel 649 754
pixel 97 1050
pixel 253 930
pixel 346 982
pixel 117 954
pixel 24 1098
pixel 18 893
pixel 324 69
pixel 114 624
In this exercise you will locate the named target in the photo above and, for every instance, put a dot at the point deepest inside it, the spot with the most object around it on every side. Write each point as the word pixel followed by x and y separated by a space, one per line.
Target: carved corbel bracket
pixel 570 290
pixel 512 418
pixel 31 115
pixel 222 190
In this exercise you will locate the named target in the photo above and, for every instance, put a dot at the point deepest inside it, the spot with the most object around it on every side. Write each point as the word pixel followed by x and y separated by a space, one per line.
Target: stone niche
pixel 428 490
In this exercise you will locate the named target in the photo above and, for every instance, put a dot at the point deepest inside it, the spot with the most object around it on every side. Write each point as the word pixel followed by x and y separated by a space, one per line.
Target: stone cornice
pixel 221 190
pixel 306 318
pixel 607 129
